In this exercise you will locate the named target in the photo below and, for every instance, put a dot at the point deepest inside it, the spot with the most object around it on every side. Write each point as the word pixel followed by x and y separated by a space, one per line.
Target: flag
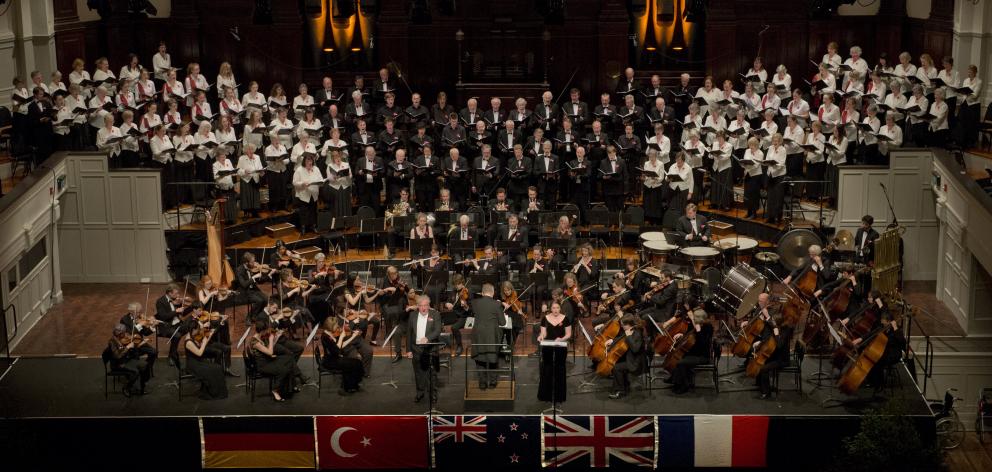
pixel 712 441
pixel 257 442
pixel 497 442
pixel 598 441
pixel 372 442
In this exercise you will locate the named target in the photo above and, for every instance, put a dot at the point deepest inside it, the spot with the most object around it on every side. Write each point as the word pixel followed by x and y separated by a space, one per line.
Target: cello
pixel 614 354
pixel 679 349
pixel 665 341
pixel 858 369
pixel 761 355
pixel 747 336
pixel 597 350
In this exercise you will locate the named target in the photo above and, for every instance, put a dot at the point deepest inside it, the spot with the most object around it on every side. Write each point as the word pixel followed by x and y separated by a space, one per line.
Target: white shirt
pixel 740 142
pixel 161 64
pixel 657 167
pixel 183 145
pixel 686 173
pixel 336 182
pixel 257 99
pixel 276 149
pixel 840 155
pixel 722 162
pixel 797 136
pixel 203 153
pixel 130 143
pixel 226 182
pixel 895 101
pixel 976 86
pixel 817 140
pixel 201 109
pixel 752 102
pixel 63 114
pixel 776 154
pixel 145 90
pixel 698 120
pixel 278 125
pixel 894 133
pixel 757 156
pixel 785 81
pixel 421 325
pixel 96 118
pixel 299 149
pixel 173 90
pixel 231 107
pixel 71 103
pixel 103 135
pixel 665 146
pixel 222 82
pixel 301 101
pixel 247 167
pixel 302 178
pixel 161 144
pixel 952 79
pixel 879 89
pixel 921 102
pixel 694 161
pixel 129 73
pixel 199 82
pixel 772 128
pixel 939 110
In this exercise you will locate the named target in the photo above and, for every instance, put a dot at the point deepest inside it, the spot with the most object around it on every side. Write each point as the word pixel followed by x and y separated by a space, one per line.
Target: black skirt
pixel 654 205
pixel 551 387
pixel 722 189
pixel 250 196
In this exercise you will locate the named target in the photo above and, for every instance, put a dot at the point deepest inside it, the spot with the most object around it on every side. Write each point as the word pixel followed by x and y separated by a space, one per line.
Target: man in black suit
pixel 633 360
pixel 682 96
pixel 494 116
pixel 513 232
pixel 576 110
pixel 546 113
pixel 662 303
pixel 130 321
pixel 384 85
pixel 507 139
pixel 425 178
pixel 325 97
pixel 864 240
pixel 422 328
pixel 455 171
pixel 357 109
pixel 171 318
pixel 546 173
pixel 485 172
pixel 248 282
pixel 628 84
pixel 463 232
pixel 519 167
pixel 692 228
pixel 613 174
pixel 368 179
pixel 486 333
pixel 470 114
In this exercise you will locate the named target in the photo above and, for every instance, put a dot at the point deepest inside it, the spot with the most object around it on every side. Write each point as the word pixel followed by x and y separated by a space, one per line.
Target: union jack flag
pixel 605 440
pixel 460 428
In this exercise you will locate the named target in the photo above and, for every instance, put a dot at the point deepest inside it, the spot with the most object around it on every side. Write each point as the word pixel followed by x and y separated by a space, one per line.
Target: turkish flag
pixel 372 442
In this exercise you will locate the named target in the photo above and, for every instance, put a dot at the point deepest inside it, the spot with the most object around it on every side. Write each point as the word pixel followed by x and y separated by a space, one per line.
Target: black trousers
pixel 307 212
pixel 682 375
pixel 621 377
pixel 424 376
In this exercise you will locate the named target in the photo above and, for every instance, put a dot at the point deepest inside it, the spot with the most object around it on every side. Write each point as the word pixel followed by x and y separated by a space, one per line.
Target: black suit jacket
pixel 164 309
pixel 614 185
pixel 665 301
pixel 577 120
pixel 684 228
pixel 467 118
pixel 868 254
pixel 325 99
pixel 432 333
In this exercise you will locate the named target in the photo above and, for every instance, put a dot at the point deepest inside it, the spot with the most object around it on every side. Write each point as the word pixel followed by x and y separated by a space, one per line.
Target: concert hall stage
pixel 44 399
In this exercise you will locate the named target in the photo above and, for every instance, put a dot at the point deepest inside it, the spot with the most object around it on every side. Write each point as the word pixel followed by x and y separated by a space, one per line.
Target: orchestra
pixel 486 178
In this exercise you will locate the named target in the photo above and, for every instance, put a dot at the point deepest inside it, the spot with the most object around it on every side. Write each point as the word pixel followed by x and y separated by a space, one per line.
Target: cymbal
pixel 766 257
pixel 793 247
pixel 844 240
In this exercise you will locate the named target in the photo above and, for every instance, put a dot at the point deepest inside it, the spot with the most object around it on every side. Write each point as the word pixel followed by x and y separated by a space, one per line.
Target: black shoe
pixel 127 392
pixel 458 351
pixel 231 373
pixel 680 390
pixel 396 358
pixel 616 395
pixel 419 397
pixel 669 381
pixel 343 392
pixel 483 385
pixel 172 363
pixel 493 383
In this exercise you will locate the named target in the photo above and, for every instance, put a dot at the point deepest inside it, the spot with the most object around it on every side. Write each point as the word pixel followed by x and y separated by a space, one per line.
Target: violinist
pixel 284 319
pixel 210 295
pixel 816 262
pixel 698 354
pixel 210 374
pixel 219 345
pixel 636 281
pixel 334 339
pixel 392 303
pixel 293 294
pixel 358 320
pixel 617 300
pixel 662 298
pixel 513 310
pixel 633 361
pixel 138 324
pixel 271 363
pixel 171 310
pixel 574 296
pixel 123 352
pixel 458 303
pixel 283 257
pixel 778 359
pixel 321 277
pixel 249 274
pixel 554 327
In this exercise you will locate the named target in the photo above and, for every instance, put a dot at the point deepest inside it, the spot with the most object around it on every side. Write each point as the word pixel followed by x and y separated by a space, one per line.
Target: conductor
pixel 486 334
pixel 423 328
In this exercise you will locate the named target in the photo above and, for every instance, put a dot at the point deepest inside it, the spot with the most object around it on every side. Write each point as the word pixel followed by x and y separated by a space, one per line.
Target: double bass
pixel 872 350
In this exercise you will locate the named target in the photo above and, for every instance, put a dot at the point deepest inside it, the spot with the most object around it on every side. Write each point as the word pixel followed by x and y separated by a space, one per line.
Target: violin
pixel 298 283
pixel 513 303
pixel 201 335
pixel 256 268
pixel 608 301
pixel 576 295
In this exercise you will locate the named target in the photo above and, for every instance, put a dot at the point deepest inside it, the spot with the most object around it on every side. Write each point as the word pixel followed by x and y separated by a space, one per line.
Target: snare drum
pixel 657 252
pixel 740 289
pixel 700 257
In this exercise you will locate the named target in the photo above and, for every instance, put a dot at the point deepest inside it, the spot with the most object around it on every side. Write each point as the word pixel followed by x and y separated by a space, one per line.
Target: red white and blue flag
pixel 598 441
pixel 712 441
pixel 504 442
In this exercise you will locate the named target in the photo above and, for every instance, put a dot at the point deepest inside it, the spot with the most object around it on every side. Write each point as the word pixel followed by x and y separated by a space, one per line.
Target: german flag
pixel 257 442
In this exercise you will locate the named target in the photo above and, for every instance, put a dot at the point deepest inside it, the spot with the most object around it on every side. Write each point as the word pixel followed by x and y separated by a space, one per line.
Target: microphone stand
pixel 885 191
pixel 392 380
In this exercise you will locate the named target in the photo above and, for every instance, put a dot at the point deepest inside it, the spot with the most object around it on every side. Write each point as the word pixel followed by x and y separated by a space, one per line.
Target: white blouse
pixel 184 146
pixel 249 167
pixel 723 161
pixel 336 182
pixel 776 155
pixel 302 178
pixel 685 172
pixel 226 182
pixel 161 144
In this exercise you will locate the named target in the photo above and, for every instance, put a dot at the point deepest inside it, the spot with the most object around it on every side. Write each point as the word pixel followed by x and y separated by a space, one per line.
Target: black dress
pixel 333 359
pixel 210 374
pixel 552 382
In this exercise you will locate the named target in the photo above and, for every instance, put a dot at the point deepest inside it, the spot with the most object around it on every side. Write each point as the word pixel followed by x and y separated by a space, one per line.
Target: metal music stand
pixel 420 248
pixel 464 249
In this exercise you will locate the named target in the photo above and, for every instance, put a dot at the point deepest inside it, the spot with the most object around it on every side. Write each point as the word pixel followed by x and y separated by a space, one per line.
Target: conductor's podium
pixel 490 399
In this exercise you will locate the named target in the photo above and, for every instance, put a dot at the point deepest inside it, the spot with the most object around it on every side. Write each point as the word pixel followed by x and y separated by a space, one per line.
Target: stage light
pixel 678 37
pixel 328 43
pixel 356 36
pixel 695 12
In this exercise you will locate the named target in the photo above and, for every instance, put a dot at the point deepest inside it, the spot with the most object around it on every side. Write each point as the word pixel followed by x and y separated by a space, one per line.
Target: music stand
pixel 431 350
pixel 373 227
pixel 420 248
pixel 510 248
pixel 392 380
pixel 461 248
pixel 476 280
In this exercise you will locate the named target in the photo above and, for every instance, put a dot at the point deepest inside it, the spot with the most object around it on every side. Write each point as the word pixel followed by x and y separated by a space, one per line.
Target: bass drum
pixel 793 247
pixel 740 289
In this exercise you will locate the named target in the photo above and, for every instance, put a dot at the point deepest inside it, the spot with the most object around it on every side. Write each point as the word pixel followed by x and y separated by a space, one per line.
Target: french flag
pixel 712 441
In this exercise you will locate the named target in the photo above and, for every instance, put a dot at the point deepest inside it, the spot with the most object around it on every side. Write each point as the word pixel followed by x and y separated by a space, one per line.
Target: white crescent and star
pixel 336 441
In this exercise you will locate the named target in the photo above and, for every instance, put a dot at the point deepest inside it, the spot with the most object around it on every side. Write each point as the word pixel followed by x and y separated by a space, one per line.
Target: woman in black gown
pixel 210 374
pixel 333 340
pixel 278 366
pixel 552 382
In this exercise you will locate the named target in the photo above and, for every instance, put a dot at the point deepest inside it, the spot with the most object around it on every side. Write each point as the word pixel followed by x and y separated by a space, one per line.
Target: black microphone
pixel 883 185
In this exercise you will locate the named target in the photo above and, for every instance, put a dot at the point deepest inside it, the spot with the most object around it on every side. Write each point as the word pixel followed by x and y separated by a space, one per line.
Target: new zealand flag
pixel 500 442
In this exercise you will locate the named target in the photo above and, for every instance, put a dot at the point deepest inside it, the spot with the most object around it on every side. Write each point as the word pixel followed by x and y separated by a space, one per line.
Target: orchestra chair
pixel 795 368
pixel 252 374
pixel 180 376
pixel 365 213
pixel 716 350
pixel 318 357
pixel 333 237
pixel 632 221
pixel 599 222
pixel 110 372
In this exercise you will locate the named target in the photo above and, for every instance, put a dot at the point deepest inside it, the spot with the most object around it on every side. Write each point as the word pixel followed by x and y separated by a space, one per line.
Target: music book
pixel 675 178
pixel 912 109
pixel 760 132
pixel 963 90
pixel 648 173
pixel 883 138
